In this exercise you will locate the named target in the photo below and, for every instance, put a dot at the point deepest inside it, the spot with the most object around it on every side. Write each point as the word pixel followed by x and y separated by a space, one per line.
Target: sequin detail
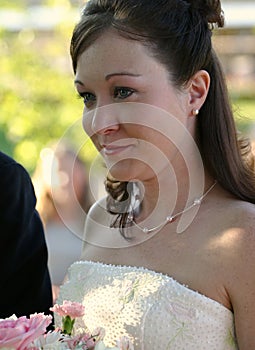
pixel 152 309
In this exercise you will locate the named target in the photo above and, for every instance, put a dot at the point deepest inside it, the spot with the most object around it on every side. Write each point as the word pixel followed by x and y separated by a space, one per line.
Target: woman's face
pixel 131 109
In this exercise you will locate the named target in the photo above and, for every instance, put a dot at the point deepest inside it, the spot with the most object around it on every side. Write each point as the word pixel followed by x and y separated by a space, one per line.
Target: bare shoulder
pixel 238 228
pixel 232 213
pixel 244 207
pixel 240 280
pixel 243 234
pixel 243 217
pixel 232 238
pixel 232 241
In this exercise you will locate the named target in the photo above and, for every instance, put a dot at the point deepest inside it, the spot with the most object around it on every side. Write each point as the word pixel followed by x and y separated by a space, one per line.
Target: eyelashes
pixel 123 92
pixel 119 93
pixel 88 98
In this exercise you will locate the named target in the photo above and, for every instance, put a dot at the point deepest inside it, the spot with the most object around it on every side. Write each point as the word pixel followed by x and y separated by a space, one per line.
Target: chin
pixel 122 174
pixel 130 170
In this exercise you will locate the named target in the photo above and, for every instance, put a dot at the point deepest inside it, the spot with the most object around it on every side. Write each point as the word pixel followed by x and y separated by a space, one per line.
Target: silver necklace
pixel 170 218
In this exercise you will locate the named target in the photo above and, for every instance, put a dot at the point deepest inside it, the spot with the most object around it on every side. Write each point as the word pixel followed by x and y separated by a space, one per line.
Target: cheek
pixel 87 123
pixel 87 127
pixel 157 147
pixel 95 141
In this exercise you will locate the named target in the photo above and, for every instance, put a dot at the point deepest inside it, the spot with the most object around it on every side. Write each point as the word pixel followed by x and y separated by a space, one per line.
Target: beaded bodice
pixel 154 310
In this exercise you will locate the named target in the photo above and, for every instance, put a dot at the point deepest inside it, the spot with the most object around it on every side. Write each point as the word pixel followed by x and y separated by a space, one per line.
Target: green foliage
pixel 14 4
pixel 38 102
pixel 244 110
pixel 17 4
pixel 67 324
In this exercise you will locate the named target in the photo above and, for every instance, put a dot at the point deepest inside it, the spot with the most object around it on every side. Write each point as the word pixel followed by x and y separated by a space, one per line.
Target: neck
pixel 168 194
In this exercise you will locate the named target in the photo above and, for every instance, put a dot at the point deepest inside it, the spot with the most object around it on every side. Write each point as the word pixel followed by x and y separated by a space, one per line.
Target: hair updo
pixel 210 10
pixel 178 34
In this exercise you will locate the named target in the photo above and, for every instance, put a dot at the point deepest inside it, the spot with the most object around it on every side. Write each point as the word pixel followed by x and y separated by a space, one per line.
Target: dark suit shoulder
pixel 23 251
pixel 9 166
pixel 16 187
pixel 5 159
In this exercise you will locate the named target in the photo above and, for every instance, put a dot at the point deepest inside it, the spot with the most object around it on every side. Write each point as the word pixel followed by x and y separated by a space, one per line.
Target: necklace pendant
pixel 169 218
pixel 145 230
pixel 197 201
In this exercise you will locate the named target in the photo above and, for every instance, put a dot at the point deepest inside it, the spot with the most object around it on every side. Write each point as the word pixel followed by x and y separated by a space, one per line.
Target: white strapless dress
pixel 152 309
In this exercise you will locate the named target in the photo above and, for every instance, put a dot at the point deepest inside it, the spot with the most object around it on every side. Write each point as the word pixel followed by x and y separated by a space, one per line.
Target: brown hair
pixel 178 33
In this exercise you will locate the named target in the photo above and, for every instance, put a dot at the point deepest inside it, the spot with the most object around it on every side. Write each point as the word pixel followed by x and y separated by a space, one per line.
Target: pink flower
pixel 69 308
pixel 18 333
pixel 81 341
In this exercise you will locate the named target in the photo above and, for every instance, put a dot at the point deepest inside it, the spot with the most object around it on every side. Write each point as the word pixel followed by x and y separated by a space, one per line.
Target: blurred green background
pixel 38 103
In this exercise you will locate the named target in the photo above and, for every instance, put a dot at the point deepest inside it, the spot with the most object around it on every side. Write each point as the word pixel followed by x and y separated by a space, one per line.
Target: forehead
pixel 113 50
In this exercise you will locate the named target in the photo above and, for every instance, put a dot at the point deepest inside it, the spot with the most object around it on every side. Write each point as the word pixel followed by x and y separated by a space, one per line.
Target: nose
pixel 105 120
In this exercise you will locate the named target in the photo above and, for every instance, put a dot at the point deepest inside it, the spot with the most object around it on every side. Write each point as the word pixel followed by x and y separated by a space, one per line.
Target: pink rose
pixel 18 333
pixel 69 308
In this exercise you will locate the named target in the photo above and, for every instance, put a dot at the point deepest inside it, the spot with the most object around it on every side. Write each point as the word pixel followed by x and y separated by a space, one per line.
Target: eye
pixel 122 92
pixel 88 98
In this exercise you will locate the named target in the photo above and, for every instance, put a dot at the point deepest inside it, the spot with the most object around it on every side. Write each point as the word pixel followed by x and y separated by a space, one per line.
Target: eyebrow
pixel 78 82
pixel 109 76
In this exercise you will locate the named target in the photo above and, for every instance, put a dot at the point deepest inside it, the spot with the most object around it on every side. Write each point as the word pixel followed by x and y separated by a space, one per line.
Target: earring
pixel 195 112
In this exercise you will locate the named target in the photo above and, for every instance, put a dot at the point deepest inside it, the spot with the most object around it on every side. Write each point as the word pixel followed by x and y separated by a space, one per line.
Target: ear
pixel 198 87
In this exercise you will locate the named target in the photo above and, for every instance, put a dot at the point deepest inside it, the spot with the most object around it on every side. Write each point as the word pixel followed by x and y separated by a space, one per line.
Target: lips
pixel 115 149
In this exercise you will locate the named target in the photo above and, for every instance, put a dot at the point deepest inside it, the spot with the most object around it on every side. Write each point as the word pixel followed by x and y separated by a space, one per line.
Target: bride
pixel 169 255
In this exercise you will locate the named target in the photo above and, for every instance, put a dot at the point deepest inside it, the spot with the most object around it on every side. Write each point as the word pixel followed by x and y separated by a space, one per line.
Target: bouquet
pixel 30 333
